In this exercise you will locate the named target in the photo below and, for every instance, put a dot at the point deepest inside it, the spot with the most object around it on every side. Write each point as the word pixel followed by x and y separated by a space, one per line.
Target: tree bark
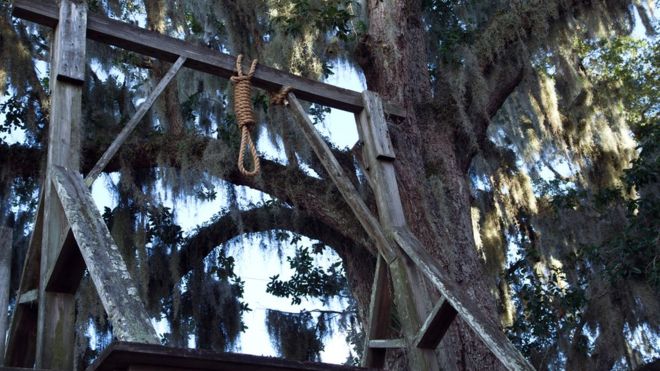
pixel 431 176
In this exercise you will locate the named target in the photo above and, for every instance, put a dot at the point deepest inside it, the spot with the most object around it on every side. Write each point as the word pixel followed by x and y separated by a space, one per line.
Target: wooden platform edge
pixel 121 355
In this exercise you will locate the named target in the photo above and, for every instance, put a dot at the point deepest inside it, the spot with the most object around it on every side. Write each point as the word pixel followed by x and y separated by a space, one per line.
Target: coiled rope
pixel 245 114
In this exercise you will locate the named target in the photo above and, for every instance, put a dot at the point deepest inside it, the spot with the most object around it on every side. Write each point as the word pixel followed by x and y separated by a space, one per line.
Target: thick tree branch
pixel 262 219
pixel 288 185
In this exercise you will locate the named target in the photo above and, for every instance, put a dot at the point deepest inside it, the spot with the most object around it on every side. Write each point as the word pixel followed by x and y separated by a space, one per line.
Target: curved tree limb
pixel 261 219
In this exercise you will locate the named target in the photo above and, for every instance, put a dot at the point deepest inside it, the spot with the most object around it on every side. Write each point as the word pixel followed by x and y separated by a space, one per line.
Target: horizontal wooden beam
pixel 199 58
pixel 436 325
pixel 29 297
pixel 143 357
pixel 116 288
pixel 387 343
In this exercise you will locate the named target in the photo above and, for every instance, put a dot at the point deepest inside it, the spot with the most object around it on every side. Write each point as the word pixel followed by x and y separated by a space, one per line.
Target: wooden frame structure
pixel 70 235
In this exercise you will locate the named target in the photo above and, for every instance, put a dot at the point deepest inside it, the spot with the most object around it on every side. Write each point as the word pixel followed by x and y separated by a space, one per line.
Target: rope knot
pixel 281 97
pixel 245 115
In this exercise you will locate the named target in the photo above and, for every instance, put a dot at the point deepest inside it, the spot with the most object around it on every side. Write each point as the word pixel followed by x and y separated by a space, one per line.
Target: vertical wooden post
pixel 55 325
pixel 5 279
pixel 410 293
pixel 380 308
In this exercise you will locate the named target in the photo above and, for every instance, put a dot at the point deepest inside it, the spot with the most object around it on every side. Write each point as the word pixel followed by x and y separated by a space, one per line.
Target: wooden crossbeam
pixel 199 58
pixel 116 289
pixel 384 344
pixel 436 325
pixel 133 122
pixel 28 297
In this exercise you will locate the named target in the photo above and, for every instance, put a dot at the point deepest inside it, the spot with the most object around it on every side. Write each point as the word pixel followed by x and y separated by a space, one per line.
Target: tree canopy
pixel 528 161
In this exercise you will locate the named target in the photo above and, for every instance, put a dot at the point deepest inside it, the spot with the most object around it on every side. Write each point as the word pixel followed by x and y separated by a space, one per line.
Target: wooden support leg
pixel 55 330
pixel 410 293
pixel 346 188
pixel 380 309
pixel 5 278
pixel 470 312
pixel 21 340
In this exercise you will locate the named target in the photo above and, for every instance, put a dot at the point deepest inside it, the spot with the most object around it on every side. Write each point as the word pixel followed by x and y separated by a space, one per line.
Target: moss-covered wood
pixel 106 267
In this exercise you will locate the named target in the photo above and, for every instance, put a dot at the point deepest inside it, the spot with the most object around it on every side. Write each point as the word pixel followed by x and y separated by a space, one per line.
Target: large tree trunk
pixel 432 179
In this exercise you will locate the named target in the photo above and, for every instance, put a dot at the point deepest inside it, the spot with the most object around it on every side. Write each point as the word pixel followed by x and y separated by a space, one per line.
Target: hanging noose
pixel 245 116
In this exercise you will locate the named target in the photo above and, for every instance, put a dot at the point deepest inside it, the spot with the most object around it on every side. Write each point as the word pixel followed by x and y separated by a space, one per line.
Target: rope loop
pixel 245 116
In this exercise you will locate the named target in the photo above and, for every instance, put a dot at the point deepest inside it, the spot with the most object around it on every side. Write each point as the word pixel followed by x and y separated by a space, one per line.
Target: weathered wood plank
pixel 346 188
pixel 70 60
pixel 29 297
pixel 133 122
pixel 6 239
pixel 410 300
pixel 56 316
pixel 380 311
pixel 384 344
pixel 436 325
pixel 373 132
pixel 131 356
pixel 60 323
pixel 470 312
pixel 200 58
pixel 116 289
pixel 377 131
pixel 410 294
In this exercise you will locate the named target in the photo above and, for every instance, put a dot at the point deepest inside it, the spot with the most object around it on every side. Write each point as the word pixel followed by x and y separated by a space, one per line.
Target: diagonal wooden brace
pixel 116 289
pixel 133 122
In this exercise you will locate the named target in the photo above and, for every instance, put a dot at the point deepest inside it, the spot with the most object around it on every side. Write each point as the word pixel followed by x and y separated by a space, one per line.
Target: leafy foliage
pixel 308 280
pixel 332 16
pixel 546 307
